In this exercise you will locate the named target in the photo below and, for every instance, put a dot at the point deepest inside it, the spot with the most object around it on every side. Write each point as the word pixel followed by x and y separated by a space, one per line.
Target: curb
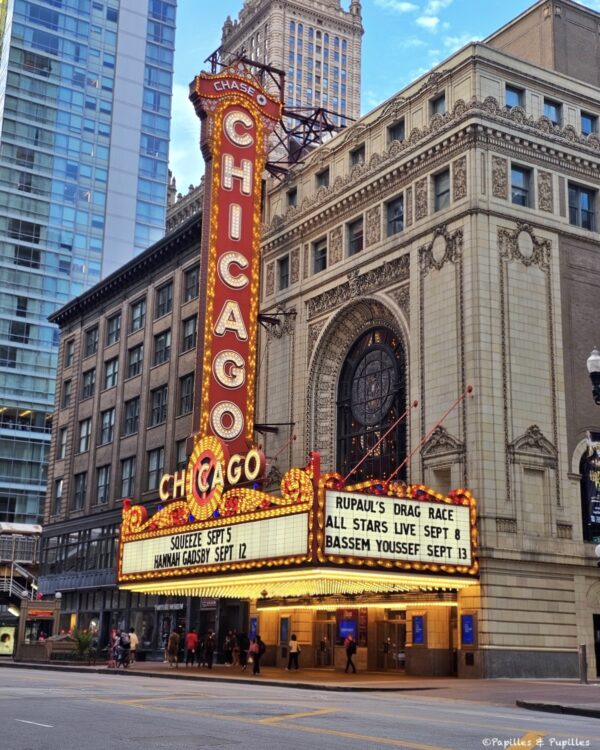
pixel 558 708
pixel 204 678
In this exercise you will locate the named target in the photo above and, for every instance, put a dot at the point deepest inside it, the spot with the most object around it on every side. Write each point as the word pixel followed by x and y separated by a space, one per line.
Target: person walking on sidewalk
pixel 257 649
pixel 191 644
pixel 134 642
pixel 293 653
pixel 173 649
pixel 210 644
pixel 350 646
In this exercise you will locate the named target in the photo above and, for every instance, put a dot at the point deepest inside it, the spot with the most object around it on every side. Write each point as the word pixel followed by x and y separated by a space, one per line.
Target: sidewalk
pixel 556 696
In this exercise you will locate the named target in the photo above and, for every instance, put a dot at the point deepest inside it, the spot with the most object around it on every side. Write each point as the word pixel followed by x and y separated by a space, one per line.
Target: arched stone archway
pixel 336 339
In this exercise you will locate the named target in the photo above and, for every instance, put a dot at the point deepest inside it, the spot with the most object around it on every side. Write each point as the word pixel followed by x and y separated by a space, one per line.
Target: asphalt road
pixel 43 710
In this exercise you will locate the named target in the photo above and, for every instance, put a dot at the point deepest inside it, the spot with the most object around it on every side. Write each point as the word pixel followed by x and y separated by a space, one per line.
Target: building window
pixel 88 384
pixel 322 178
pixel 66 393
pixel 138 315
pixel 371 397
pixel 107 426
pixel 191 284
pixel 395 216
pixel 69 352
pixel 283 272
pixel 589 123
pixel 189 329
pixel 91 342
pixel 156 464
pixel 553 111
pixel 582 207
pixel 162 347
pixel 61 449
pixel 514 97
pixel 131 416
pixel 128 476
pixel 357 155
pixel 85 430
pixel 396 131
pixel 102 484
pixel 186 394
pixel 355 236
pixel 79 490
pixel 320 255
pixel 158 405
pixel 57 497
pixel 441 190
pixel 135 359
pixel 438 105
pixel 111 372
pixel 181 454
pixel 113 329
pixel 520 181
pixel 164 300
pixel 292 197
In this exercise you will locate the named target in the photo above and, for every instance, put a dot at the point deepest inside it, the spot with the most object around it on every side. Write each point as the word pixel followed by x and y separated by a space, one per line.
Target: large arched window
pixel 371 397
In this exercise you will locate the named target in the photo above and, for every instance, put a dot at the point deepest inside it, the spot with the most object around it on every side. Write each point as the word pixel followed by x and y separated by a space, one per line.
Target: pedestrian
pixel 227 648
pixel 191 644
pixel 134 642
pixel 173 649
pixel 244 643
pixel 350 646
pixel 293 653
pixel 235 650
pixel 113 644
pixel 210 644
pixel 257 650
pixel 123 649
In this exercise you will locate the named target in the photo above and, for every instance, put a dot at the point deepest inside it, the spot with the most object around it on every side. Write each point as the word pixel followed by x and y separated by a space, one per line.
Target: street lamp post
pixel 593 367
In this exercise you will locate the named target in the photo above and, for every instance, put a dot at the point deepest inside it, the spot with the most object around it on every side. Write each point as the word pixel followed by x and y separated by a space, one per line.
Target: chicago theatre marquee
pixel 325 556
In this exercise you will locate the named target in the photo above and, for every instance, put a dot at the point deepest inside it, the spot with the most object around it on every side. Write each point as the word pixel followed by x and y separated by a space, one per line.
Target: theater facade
pixel 393 434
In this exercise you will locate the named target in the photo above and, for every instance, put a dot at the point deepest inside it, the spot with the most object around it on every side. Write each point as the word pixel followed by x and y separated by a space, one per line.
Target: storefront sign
pixel 385 528
pixel 591 474
pixel 218 547
pixel 418 630
pixel 467 630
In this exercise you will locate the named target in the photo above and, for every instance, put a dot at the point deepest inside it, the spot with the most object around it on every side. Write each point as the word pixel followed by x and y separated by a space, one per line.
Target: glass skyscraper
pixel 85 102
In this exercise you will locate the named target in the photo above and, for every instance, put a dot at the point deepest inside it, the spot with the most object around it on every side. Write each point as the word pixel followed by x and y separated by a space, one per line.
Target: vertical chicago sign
pixel 237 118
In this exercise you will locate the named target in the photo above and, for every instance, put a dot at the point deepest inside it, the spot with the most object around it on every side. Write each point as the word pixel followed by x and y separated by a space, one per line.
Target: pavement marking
pixel 37 724
pixel 302 715
pixel 528 740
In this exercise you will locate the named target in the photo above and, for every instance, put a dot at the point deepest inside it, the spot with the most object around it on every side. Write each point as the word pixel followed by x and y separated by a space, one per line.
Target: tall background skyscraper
pixel 85 102
pixel 316 43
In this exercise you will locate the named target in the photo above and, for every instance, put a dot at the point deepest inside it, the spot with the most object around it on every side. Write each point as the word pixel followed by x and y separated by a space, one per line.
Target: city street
pixel 46 710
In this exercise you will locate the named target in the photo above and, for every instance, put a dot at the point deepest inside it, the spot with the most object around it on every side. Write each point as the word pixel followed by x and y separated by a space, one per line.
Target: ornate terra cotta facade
pixel 479 259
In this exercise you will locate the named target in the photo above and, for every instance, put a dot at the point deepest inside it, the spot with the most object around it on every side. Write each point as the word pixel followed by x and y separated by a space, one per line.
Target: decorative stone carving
pixel 306 266
pixel 314 331
pixel 295 266
pixel 533 443
pixel 564 531
pixel 408 208
pixel 499 177
pixel 373 225
pixel 514 248
pixel 401 297
pixel 270 285
pixel 360 285
pixel 286 323
pixel 452 252
pixel 507 525
pixel 421 199
pixel 336 245
pixel 545 193
pixel 442 443
pixel 459 178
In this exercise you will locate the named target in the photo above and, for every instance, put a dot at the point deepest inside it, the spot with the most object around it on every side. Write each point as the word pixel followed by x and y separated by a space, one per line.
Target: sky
pixel 402 40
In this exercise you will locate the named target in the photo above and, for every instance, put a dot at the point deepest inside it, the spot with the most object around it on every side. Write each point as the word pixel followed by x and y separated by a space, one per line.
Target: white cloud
pixel 428 22
pixel 397 6
pixel 411 42
pixel 434 6
pixel 185 159
pixel 452 43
